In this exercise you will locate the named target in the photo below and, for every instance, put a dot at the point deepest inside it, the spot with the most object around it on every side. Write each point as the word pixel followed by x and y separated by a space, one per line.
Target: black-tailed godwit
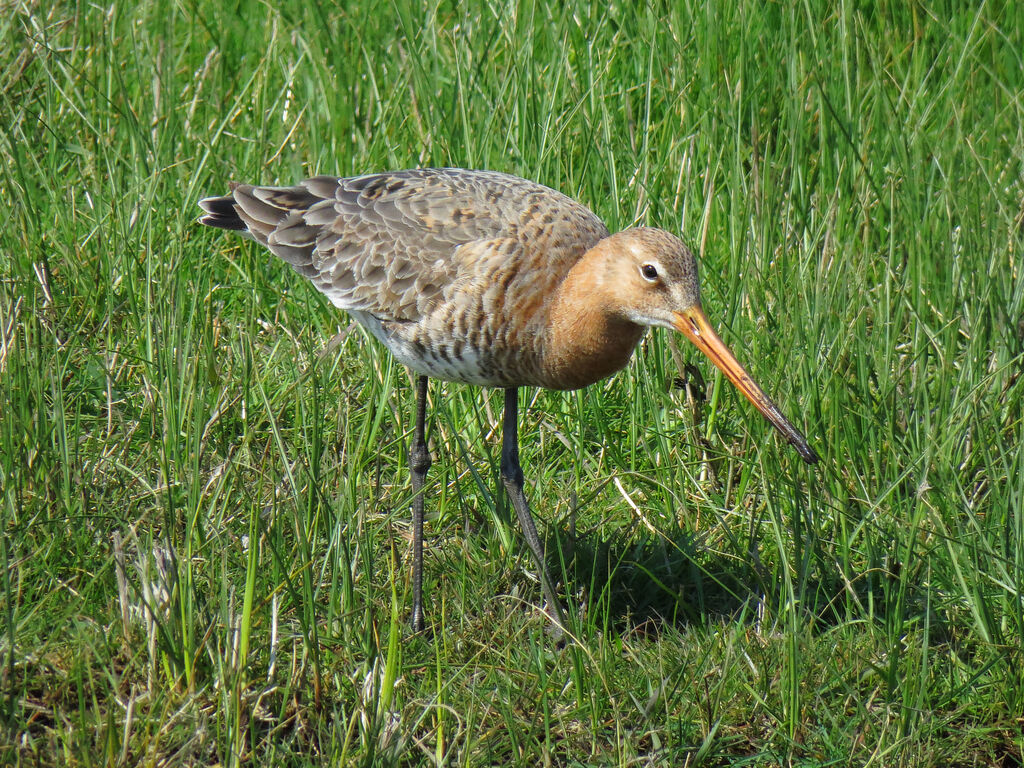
pixel 486 279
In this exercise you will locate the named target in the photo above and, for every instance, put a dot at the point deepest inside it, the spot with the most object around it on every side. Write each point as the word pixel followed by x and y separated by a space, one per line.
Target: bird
pixel 488 279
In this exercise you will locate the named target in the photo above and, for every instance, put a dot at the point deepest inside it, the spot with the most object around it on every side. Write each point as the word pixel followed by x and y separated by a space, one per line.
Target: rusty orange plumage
pixel 488 279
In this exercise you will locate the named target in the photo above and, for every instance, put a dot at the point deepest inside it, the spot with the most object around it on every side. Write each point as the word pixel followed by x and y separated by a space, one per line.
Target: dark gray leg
pixel 419 463
pixel 512 476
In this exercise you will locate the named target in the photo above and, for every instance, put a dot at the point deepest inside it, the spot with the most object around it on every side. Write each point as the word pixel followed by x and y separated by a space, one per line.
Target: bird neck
pixel 586 339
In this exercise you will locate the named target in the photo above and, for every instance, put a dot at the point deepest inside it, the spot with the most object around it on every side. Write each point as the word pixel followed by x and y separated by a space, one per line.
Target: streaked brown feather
pixel 447 267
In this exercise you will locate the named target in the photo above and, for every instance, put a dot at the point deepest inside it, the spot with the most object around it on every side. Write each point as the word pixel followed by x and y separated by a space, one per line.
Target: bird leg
pixel 419 463
pixel 512 477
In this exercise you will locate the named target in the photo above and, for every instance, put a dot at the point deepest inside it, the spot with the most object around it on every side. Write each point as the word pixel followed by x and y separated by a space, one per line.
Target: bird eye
pixel 649 271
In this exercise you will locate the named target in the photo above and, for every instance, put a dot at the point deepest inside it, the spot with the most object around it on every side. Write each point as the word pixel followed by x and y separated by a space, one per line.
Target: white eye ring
pixel 649 272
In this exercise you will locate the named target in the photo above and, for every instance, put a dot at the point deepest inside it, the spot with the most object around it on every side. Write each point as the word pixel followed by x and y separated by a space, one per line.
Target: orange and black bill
pixel 693 323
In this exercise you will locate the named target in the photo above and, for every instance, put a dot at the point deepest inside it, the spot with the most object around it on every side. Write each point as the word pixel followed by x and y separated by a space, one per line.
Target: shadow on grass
pixel 635 580
pixel 657 579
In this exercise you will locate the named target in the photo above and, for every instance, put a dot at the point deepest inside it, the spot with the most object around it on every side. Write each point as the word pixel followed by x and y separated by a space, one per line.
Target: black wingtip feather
pixel 221 213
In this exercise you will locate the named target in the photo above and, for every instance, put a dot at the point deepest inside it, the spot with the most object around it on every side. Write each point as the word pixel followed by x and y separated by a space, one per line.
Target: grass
pixel 203 481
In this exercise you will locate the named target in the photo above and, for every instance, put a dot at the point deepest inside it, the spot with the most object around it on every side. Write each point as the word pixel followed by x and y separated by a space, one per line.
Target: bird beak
pixel 693 324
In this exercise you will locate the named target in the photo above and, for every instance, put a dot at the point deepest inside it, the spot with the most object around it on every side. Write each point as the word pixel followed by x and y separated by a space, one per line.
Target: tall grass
pixel 203 476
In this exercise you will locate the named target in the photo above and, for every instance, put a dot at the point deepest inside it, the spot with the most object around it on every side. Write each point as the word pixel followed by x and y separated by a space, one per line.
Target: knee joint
pixel 511 472
pixel 419 458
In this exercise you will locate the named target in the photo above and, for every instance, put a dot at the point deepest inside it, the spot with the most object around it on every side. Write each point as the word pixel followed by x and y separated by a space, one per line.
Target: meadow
pixel 204 486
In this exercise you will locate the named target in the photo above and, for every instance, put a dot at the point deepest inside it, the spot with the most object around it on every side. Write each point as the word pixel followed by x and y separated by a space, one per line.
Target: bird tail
pixel 272 216
pixel 222 212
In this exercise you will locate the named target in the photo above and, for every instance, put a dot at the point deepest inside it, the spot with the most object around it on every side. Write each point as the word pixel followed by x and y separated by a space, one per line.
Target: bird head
pixel 652 276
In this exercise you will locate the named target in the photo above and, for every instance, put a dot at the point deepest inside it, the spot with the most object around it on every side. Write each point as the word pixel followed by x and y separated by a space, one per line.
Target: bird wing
pixel 394 244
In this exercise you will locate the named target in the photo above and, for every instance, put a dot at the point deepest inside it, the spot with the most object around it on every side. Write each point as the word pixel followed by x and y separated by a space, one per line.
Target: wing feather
pixel 395 244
